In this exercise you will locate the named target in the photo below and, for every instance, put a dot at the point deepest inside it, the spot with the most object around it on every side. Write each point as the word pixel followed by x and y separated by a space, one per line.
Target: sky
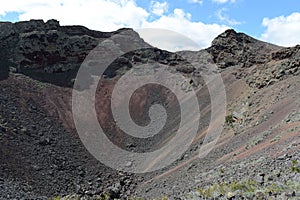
pixel 275 21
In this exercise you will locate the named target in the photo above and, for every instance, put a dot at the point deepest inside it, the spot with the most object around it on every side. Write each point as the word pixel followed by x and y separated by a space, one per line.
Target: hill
pixel 42 156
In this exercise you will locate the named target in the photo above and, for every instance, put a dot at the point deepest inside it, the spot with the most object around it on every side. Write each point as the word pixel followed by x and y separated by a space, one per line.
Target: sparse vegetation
pixel 56 198
pixel 245 189
pixel 229 120
pixel 259 139
pixel 275 139
pixel 105 196
pixel 227 189
pixel 295 167
pixel 222 171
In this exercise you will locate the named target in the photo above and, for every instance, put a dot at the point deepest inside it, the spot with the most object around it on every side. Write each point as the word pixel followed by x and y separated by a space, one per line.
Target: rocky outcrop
pixel 231 48
pixel 47 51
pixel 284 63
pixel 267 63
pixel 52 53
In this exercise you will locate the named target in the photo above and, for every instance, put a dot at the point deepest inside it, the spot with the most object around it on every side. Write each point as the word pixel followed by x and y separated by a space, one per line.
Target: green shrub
pixel 229 120
pixel 295 168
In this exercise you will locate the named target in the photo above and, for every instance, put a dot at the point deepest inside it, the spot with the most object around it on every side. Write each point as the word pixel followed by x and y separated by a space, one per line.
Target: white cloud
pixel 105 15
pixel 225 18
pixel 158 8
pixel 109 15
pixel 168 40
pixel 196 1
pixel 180 22
pixel 282 30
pixel 223 1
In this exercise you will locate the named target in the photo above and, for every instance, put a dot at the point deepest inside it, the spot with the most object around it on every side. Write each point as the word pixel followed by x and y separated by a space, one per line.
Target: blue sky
pixel 275 21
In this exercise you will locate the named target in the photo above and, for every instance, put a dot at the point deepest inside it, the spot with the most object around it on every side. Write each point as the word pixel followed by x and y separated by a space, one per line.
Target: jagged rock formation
pixel 268 63
pixel 53 53
pixel 47 51
pixel 231 48
pixel 283 63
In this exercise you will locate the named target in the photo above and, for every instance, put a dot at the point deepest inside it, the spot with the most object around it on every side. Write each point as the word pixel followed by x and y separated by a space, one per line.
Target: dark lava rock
pixel 47 51
pixel 231 48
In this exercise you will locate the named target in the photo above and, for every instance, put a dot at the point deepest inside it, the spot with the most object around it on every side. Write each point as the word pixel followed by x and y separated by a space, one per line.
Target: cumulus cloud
pixel 282 30
pixel 102 15
pixel 109 15
pixel 180 22
pixel 168 40
pixel 158 8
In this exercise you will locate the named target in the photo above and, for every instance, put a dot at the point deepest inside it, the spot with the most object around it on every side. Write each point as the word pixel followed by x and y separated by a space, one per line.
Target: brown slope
pixel 261 86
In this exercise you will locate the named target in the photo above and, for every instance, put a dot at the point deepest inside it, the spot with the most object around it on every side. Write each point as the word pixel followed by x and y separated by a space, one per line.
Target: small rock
pixel 148 189
pixel 2 128
pixel 36 167
pixel 81 173
pixel 290 194
pixel 270 178
pixel 130 145
pixel 281 157
pixel 114 192
pixel 99 180
pixel 33 127
pixel 78 189
pixel 24 130
pixel 259 195
pixel 89 193
pixel 98 191
pixel 136 59
pixel 44 141
pixel 129 164
pixel 260 179
pixel 230 195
